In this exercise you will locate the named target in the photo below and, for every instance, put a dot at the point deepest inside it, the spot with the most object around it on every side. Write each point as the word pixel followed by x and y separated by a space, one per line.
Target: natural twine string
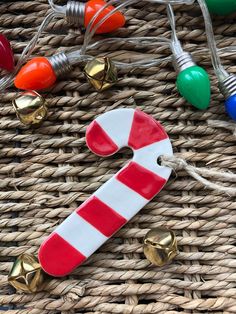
pixel 199 174
pixel 223 124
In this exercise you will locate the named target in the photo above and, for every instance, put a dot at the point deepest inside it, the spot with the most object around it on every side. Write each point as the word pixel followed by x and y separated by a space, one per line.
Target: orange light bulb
pixel 36 74
pixel 114 22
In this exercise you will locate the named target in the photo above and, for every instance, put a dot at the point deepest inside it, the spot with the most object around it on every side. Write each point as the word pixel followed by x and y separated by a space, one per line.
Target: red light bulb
pixel 6 54
pixel 114 22
pixel 36 74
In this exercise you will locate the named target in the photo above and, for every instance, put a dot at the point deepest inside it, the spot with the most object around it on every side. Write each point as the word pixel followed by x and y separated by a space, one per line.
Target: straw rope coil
pixel 47 172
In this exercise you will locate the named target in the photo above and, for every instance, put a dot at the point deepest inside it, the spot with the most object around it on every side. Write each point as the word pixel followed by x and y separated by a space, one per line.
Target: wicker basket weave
pixel 47 172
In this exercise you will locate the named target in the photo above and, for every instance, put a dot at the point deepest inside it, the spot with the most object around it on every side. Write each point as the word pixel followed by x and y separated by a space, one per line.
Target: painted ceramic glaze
pixel 120 198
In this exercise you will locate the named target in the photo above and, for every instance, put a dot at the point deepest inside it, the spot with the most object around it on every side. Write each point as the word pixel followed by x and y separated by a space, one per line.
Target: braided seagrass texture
pixel 47 172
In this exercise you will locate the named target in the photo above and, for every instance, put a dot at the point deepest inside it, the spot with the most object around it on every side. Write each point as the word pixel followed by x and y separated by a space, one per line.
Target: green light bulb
pixel 221 7
pixel 194 85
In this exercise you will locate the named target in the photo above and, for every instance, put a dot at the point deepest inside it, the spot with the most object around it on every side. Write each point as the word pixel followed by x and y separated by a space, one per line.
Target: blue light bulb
pixel 227 87
pixel 230 106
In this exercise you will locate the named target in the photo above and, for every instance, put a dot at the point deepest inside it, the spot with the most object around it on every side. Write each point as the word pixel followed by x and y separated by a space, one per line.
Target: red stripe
pixel 145 131
pixel 57 257
pixel 141 180
pixel 101 216
pixel 98 140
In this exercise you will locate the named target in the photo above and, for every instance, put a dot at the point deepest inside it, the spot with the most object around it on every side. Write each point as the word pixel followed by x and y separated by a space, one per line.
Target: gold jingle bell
pixel 160 246
pixel 26 274
pixel 30 108
pixel 101 73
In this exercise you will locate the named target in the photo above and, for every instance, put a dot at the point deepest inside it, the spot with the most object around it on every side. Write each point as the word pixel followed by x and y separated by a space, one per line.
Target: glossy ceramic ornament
pixel 36 74
pixel 30 107
pixel 194 85
pixel 120 198
pixel 26 274
pixel 160 246
pixel 101 73
pixel 221 7
pixel 6 54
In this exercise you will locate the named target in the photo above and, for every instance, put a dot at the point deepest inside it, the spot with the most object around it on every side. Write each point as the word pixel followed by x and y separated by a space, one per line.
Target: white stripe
pixel 148 155
pixel 80 234
pixel 117 124
pixel 120 198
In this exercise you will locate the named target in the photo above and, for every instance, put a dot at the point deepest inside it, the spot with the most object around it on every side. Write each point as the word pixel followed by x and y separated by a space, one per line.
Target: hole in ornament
pixel 159 161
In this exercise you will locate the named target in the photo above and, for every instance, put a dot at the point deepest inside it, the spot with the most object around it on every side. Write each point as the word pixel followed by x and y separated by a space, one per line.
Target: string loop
pixel 200 174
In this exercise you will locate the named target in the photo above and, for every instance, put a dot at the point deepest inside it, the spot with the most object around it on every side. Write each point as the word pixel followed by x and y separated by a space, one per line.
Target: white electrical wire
pixel 172 1
pixel 7 80
pixel 57 11
pixel 145 41
pixel 221 73
pixel 175 43
pixel 60 11
pixel 81 55
pixel 57 8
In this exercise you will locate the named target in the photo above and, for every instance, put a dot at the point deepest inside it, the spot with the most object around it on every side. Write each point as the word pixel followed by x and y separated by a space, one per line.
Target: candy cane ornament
pixel 120 198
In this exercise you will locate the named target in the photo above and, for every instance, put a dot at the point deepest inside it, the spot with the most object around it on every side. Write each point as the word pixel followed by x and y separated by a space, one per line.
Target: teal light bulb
pixel 221 7
pixel 193 84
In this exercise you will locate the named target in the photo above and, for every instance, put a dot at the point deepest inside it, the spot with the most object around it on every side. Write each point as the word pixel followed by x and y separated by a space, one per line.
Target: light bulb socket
pixel 75 12
pixel 60 63
pixel 182 61
pixel 227 86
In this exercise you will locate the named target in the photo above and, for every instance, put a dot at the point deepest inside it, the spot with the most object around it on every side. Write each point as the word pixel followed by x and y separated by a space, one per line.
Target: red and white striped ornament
pixel 120 198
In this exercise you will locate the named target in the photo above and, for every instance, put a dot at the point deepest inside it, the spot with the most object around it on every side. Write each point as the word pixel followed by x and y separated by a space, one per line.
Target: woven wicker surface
pixel 47 172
